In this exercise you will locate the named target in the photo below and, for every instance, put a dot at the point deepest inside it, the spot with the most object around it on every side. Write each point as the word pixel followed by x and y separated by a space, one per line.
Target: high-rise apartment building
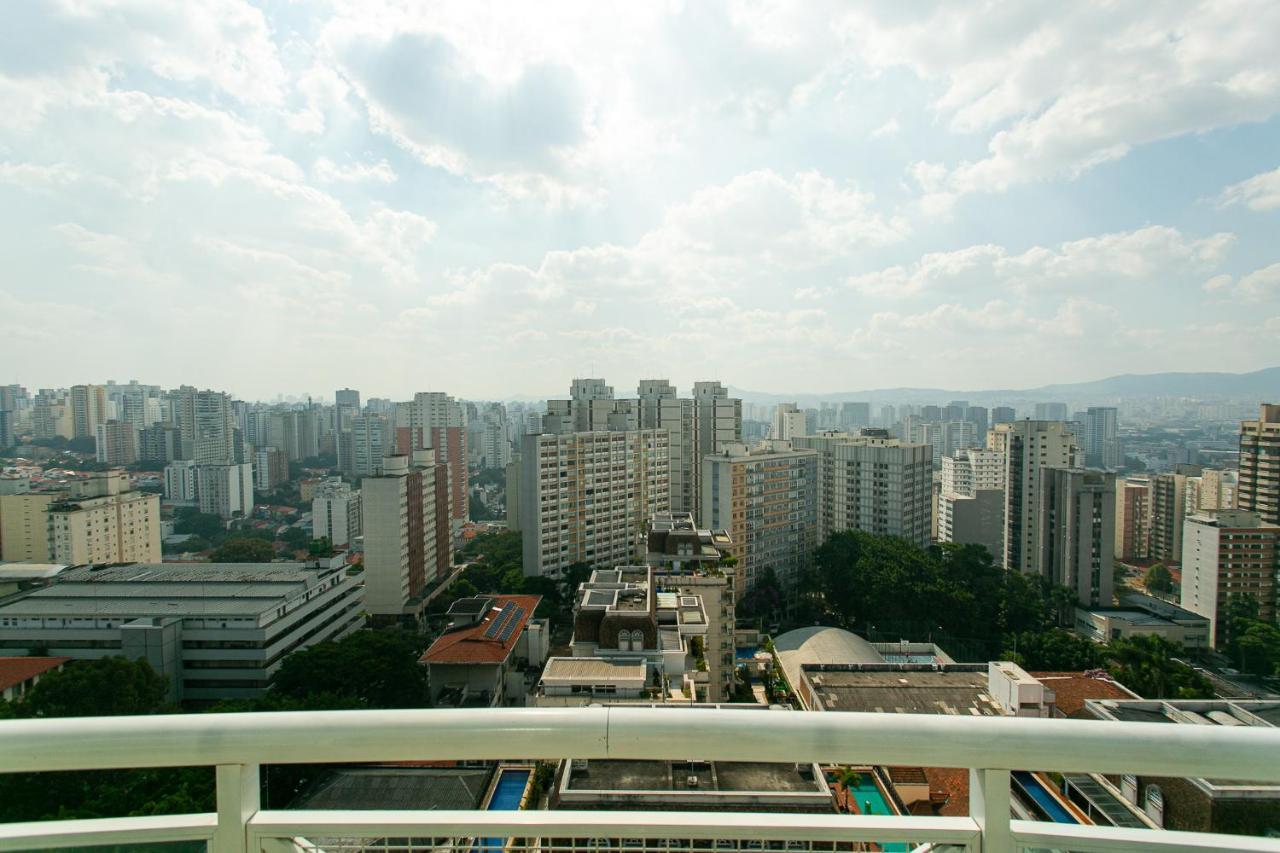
pixel 872 483
pixel 1259 489
pixel 88 409
pixel 1101 439
pixel 854 416
pixel 24 526
pixel 584 496
pixel 270 468
pixel 1003 415
pixel 225 490
pixel 407 540
pixel 1168 509
pixel 180 481
pixel 1029 448
pixel 160 442
pixel 766 498
pixel 370 442
pixel 788 422
pixel 1228 555
pixel 1133 518
pixel 1051 411
pixel 717 422
pixel 212 429
pixel 661 407
pixel 103 521
pixel 1076 536
pixel 1212 489
pixel 116 443
pixel 336 513
pixel 439 422
pixel 971 500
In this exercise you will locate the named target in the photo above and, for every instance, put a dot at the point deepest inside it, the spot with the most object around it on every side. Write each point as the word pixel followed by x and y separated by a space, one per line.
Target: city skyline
pixel 969 197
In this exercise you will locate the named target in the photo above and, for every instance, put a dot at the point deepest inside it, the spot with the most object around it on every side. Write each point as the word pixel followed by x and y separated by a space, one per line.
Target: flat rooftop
pixel 902 690
pixel 427 788
pixel 593 669
pixel 664 776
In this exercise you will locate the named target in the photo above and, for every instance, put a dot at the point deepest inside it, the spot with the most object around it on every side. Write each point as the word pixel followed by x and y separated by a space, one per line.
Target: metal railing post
pixel 989 807
pixel 238 793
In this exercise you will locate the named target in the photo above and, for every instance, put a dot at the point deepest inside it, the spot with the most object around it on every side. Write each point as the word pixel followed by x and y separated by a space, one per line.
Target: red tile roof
pixel 14 671
pixel 470 645
pixel 1071 689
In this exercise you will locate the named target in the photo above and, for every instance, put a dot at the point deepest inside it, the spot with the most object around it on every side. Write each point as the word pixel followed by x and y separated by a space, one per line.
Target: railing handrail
pixel 1069 746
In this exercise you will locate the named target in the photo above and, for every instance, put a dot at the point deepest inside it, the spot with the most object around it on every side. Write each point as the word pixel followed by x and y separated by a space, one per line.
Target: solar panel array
pixel 499 620
pixel 513 622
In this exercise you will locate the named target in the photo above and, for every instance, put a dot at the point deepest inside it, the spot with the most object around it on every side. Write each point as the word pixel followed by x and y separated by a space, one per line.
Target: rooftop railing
pixel 239 744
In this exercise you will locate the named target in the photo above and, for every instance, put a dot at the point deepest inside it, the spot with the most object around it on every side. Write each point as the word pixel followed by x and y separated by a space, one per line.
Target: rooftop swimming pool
pixel 507 794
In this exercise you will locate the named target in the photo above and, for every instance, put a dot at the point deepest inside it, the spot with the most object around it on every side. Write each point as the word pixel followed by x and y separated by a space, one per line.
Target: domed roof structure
pixel 819 644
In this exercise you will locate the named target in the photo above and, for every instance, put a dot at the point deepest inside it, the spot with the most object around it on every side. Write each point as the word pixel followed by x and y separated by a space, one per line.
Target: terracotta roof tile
pixel 470 645
pixel 1071 689
pixel 17 670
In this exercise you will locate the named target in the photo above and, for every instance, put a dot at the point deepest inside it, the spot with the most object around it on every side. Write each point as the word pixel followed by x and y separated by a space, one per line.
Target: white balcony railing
pixel 238 744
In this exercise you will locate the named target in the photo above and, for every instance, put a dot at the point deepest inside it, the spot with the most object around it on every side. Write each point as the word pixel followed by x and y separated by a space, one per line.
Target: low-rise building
pixel 594 679
pixel 1197 804
pixel 336 514
pixel 213 630
pixel 622 615
pixel 18 675
pixel 489 653
pixel 1142 615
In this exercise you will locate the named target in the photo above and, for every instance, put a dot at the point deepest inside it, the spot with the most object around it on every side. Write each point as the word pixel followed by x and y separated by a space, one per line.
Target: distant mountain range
pixel 1260 385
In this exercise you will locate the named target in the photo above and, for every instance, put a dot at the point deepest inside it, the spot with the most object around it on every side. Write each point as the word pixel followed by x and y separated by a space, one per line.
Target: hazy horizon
pixel 474 198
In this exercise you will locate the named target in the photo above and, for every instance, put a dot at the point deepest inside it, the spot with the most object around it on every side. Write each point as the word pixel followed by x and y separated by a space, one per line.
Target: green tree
pixel 1055 650
pixel 321 547
pixel 1147 666
pixel 1256 646
pixel 244 550
pixel 374 669
pixel 1158 579
pixel 295 538
pixel 101 688
pixel 203 524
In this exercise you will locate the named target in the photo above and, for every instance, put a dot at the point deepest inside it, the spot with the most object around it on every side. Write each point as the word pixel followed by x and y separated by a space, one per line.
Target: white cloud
pixel 330 172
pixel 889 129
pixel 1131 257
pixel 1261 192
pixel 1064 91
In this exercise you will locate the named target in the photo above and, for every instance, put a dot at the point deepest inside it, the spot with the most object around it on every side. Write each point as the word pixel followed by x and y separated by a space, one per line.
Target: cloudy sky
pixel 489 200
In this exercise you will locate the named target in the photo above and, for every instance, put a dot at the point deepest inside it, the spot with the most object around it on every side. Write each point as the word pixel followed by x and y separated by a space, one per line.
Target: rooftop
pixel 724 776
pixel 1072 689
pixel 398 788
pixel 170 589
pixel 953 689
pixel 14 671
pixel 489 640
pixel 593 669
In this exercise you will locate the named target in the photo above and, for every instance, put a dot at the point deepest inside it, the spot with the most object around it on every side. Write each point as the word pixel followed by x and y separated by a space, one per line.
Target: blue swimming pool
pixel 1043 799
pixel 507 793
pixel 746 652
pixel 869 800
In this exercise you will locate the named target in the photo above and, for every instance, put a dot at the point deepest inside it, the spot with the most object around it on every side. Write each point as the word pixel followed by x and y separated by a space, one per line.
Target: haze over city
pixel 698 426
pixel 474 196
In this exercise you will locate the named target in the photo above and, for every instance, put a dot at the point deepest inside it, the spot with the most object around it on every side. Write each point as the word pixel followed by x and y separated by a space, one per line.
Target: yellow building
pixel 24 526
pixel 104 522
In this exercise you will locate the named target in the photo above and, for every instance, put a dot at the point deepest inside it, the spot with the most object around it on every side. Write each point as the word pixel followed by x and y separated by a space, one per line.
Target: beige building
pixel 117 443
pixel 1133 518
pixel 1213 489
pixel 88 409
pixel 1168 509
pixel 699 425
pixel 24 526
pixel 406 524
pixel 585 496
pixel 766 498
pixel 686 561
pixel 1076 534
pixel 102 521
pixel 872 483
pixel 1029 448
pixel 1228 555
pixel 1260 464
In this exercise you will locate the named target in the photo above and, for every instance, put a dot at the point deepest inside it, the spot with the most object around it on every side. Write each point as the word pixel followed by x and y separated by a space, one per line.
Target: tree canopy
pixel 245 549
pixel 368 669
